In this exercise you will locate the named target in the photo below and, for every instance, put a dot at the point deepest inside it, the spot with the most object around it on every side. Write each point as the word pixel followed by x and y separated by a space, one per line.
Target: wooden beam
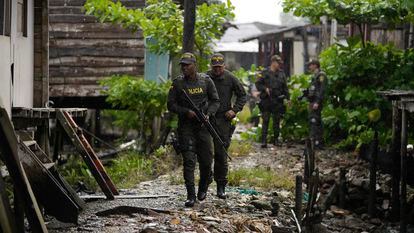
pixel 395 152
pixel 98 52
pixel 88 155
pixel 47 189
pixel 8 142
pixel 403 185
pixel 6 217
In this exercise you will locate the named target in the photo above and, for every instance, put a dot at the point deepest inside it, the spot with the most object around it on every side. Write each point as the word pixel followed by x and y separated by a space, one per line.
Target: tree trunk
pixel 189 25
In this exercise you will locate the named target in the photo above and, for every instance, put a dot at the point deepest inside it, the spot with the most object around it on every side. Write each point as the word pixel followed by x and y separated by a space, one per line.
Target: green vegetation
pixel 295 120
pixel 355 74
pixel 240 148
pixel 356 11
pixel 244 115
pixel 163 21
pixel 127 170
pixel 260 177
pixel 356 71
pixel 143 100
pixel 294 123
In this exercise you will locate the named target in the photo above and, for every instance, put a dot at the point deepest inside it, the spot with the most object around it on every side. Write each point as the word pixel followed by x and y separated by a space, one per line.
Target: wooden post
pixel 189 25
pixel 7 222
pixel 45 52
pixel 298 198
pixel 97 128
pixel 403 211
pixel 342 187
pixel 8 142
pixel 395 151
pixel 373 177
pixel 18 210
pixel 42 136
pixel 58 141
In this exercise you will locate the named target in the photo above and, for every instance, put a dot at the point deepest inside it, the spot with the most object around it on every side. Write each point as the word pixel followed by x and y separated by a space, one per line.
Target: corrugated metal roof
pixel 275 30
pixel 231 40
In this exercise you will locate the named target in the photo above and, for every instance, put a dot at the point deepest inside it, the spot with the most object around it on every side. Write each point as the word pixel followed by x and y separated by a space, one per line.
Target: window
pixel 22 17
pixel 5 17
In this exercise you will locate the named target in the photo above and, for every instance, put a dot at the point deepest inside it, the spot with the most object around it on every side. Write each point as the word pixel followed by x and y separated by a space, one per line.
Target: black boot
pixel 276 142
pixel 191 198
pixel 202 192
pixel 264 141
pixel 221 191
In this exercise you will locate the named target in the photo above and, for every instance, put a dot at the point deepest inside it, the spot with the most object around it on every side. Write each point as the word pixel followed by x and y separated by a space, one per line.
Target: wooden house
pixel 84 51
pixel 23 60
pixel 296 44
pixel 241 54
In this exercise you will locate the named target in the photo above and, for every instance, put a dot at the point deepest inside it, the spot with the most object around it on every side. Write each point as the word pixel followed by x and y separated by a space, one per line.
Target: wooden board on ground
pixel 97 197
pixel 87 153
pixel 48 189
pixel 8 149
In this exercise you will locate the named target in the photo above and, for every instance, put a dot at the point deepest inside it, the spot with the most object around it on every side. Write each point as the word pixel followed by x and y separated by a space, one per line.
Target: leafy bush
pixel 240 148
pixel 247 77
pixel 295 120
pixel 163 21
pixel 143 100
pixel 355 74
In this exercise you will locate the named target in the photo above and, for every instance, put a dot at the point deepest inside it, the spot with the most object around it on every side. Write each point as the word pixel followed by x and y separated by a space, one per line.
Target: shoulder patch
pixel 204 75
pixel 321 78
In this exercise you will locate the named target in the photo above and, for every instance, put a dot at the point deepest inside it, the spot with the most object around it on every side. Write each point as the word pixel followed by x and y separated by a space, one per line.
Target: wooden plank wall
pixel 83 51
pixel 41 53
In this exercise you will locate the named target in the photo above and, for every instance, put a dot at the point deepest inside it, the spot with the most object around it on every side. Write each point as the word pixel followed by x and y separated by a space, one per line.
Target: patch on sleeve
pixel 321 78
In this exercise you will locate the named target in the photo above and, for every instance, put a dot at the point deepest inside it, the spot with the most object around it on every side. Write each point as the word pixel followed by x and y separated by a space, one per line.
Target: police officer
pixel 315 96
pixel 194 139
pixel 227 86
pixel 272 84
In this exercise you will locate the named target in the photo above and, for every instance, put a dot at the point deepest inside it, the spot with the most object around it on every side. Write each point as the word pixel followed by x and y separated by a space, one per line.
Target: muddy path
pixel 247 209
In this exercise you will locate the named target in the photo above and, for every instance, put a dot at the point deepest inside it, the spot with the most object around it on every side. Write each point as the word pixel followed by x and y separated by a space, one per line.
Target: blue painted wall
pixel 156 65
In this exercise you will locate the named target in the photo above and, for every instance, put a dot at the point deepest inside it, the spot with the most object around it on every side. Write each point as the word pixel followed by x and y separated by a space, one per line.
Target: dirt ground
pixel 245 210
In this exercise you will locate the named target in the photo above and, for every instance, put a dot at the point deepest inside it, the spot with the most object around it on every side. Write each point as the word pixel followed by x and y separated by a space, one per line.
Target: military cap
pixel 187 58
pixel 276 58
pixel 313 62
pixel 217 60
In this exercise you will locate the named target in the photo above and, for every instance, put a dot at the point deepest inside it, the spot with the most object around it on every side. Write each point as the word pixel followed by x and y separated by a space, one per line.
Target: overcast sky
pixel 266 11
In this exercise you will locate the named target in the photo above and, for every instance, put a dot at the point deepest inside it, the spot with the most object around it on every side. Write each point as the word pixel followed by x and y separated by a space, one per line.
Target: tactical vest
pixel 197 91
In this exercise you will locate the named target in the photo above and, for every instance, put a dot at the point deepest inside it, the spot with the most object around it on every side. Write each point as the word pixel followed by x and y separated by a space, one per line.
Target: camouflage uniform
pixel 315 95
pixel 194 139
pixel 272 105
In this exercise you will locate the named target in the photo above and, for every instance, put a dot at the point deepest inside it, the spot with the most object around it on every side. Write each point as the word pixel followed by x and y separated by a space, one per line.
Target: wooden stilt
pixel 373 178
pixel 298 197
pixel 403 192
pixel 395 151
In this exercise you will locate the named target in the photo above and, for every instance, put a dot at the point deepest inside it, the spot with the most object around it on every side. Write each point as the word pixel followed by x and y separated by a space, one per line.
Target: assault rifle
pixel 203 119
